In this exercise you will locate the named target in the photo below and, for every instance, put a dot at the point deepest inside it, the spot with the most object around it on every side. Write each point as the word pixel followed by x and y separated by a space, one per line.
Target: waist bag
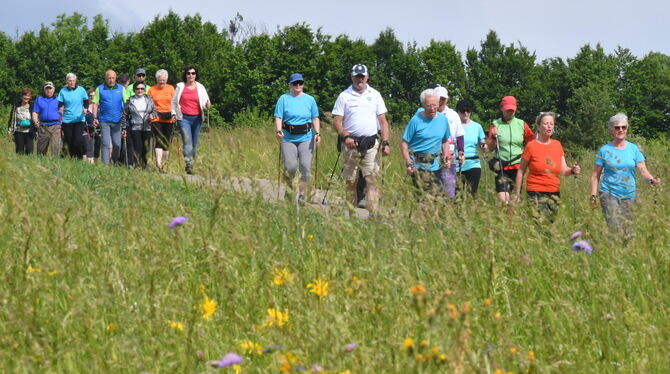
pixel 165 115
pixel 297 129
pixel 495 164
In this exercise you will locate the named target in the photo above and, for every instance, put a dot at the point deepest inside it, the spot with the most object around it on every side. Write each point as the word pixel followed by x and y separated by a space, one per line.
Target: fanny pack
pixel 164 115
pixel 496 164
pixel 424 158
pixel 297 129
pixel 364 143
pixel 24 123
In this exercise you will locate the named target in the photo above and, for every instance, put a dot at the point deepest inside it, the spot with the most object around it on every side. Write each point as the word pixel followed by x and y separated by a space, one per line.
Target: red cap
pixel 508 102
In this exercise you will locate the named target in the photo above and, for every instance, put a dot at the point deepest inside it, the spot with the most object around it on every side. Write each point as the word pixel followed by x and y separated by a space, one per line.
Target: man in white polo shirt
pixel 358 112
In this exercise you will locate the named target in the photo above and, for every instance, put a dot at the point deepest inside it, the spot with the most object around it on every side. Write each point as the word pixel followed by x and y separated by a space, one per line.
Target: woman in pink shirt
pixel 190 100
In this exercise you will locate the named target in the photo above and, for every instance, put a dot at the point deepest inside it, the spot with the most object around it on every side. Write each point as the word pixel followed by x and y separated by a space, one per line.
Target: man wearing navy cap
pixel 358 113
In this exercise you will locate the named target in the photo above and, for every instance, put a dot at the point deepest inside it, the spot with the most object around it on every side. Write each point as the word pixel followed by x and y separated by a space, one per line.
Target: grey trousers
pixel 618 213
pixel 49 137
pixel 294 153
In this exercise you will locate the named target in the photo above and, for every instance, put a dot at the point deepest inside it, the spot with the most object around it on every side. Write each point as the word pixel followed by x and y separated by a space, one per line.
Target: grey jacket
pixel 133 120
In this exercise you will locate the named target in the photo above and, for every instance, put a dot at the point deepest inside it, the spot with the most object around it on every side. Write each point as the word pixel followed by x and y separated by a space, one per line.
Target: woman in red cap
pixel 507 138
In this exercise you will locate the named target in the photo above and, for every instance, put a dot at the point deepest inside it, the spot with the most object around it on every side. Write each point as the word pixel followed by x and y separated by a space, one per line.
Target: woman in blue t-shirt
pixel 471 170
pixel 616 163
pixel 297 124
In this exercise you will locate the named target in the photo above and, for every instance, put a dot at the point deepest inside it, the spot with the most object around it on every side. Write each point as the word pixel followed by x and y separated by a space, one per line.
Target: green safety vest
pixel 510 139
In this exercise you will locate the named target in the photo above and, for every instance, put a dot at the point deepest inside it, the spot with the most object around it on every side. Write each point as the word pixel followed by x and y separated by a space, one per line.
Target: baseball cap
pixel 359 69
pixel 441 92
pixel 508 102
pixel 140 71
pixel 295 78
pixel 49 84
pixel 123 78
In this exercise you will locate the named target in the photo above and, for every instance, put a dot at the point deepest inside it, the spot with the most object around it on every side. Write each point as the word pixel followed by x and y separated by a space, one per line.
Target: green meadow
pixel 94 280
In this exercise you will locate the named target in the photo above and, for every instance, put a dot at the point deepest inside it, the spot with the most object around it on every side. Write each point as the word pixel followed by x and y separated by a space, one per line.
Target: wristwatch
pixel 385 143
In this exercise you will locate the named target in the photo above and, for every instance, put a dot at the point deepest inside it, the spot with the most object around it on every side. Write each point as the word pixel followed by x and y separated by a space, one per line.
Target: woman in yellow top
pixel 162 94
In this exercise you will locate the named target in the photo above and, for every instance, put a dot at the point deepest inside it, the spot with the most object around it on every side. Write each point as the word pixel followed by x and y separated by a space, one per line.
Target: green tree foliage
pixel 245 71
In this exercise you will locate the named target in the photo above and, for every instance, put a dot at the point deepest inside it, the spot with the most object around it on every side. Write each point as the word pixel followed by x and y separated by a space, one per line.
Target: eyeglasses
pixel 139 89
pixel 298 83
pixel 191 73
pixel 617 128
pixel 141 75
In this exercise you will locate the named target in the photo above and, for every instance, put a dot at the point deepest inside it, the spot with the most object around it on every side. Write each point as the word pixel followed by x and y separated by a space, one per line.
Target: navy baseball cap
pixel 295 78
pixel 359 69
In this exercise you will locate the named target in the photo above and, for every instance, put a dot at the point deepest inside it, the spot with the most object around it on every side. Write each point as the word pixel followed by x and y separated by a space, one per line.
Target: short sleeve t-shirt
pixel 474 134
pixel 425 136
pixel 360 110
pixel 545 163
pixel 162 97
pixel 189 102
pixel 73 104
pixel 618 166
pixel 296 110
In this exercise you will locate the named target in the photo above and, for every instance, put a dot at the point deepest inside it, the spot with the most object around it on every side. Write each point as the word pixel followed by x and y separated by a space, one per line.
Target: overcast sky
pixel 550 28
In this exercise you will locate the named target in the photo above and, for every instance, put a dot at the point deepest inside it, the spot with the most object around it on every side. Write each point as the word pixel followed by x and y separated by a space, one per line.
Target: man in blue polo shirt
pixel 107 111
pixel 47 120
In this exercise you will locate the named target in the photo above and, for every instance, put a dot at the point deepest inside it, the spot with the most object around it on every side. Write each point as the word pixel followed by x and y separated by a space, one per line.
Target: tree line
pixel 246 71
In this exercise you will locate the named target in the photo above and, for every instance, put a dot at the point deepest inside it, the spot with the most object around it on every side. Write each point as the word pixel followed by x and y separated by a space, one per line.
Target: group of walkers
pixel 440 148
pixel 439 145
pixel 114 116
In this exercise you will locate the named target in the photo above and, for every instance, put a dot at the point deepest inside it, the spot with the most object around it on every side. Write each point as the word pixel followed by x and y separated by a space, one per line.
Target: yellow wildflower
pixel 531 356
pixel 447 293
pixel 443 357
pixel 111 327
pixel 497 315
pixel 208 307
pixel 346 372
pixel 310 236
pixel 31 270
pixel 418 289
pixel 237 368
pixel 53 273
pixel 349 291
pixel 512 351
pixel 498 371
pixel 201 288
pixel 435 351
pixel 175 325
pixel 408 344
pixel 251 347
pixel 423 343
pixel 276 318
pixel 282 276
pixel 418 357
pixel 488 301
pixel 453 313
pixel 286 362
pixel 465 309
pixel 319 288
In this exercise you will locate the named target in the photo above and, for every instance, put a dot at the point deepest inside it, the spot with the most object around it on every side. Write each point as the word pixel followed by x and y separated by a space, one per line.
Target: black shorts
pixel 506 181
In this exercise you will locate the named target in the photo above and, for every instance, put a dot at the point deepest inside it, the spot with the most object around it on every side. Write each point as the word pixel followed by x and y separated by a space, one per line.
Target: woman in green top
pixel 508 136
pixel 21 125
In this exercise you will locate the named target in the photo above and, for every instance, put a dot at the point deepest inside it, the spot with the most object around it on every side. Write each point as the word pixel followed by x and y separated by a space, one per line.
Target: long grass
pixel 93 276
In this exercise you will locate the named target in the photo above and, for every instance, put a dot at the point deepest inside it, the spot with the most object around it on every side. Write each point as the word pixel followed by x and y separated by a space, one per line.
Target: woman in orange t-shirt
pixel 162 94
pixel 543 160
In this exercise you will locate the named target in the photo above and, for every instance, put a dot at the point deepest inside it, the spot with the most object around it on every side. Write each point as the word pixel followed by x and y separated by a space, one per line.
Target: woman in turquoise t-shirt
pixel 297 125
pixel 474 138
pixel 616 163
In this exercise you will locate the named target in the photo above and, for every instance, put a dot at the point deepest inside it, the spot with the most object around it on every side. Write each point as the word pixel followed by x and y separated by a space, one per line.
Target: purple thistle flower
pixel 229 359
pixel 582 245
pixel 177 221
pixel 350 347
pixel 200 355
pixel 576 235
pixel 317 369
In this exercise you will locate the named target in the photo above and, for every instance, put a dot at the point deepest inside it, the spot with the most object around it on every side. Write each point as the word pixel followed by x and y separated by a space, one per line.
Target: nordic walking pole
pixel 316 168
pixel 279 171
pixel 125 148
pixel 330 180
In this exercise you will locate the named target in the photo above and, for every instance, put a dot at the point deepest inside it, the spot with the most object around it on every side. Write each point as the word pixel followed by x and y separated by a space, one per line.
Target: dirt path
pixel 268 190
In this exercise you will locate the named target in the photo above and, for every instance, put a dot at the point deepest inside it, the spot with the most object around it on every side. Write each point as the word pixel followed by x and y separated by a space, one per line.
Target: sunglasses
pixel 298 83
pixel 617 128
pixel 139 89
pixel 191 73
pixel 141 75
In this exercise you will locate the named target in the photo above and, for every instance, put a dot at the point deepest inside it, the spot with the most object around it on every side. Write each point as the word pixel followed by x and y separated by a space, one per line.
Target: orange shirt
pixel 162 97
pixel 545 162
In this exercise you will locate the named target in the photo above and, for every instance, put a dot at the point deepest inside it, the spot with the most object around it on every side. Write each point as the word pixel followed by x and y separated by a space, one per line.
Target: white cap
pixel 441 92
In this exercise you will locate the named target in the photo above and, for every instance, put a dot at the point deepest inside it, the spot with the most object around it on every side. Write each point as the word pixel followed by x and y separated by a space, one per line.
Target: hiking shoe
pixel 189 169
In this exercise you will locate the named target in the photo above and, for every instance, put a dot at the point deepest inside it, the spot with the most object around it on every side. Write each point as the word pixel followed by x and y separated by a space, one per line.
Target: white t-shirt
pixel 360 111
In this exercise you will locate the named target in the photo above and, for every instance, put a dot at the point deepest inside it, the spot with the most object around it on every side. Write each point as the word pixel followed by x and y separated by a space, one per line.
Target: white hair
pixel 617 119
pixel 70 75
pixel 427 93
pixel 162 73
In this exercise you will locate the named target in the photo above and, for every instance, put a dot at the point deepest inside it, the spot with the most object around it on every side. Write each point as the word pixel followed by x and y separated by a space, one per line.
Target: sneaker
pixel 189 169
